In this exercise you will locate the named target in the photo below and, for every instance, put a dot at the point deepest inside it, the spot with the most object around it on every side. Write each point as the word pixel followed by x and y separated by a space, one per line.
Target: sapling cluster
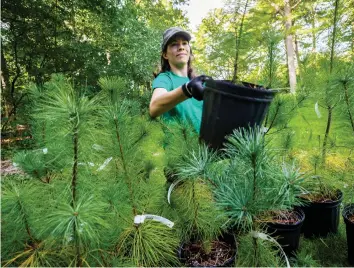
pixel 84 215
pixel 190 192
pixel 253 185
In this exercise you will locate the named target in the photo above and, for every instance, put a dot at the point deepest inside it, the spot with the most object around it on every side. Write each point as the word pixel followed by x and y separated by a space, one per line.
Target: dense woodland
pixel 281 44
pixel 75 89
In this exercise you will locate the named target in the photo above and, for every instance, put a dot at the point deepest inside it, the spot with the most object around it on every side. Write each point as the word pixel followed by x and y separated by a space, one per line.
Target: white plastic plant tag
pixel 317 110
pixel 45 150
pixel 139 219
pixel 97 147
pixel 105 163
pixel 173 185
pixel 264 236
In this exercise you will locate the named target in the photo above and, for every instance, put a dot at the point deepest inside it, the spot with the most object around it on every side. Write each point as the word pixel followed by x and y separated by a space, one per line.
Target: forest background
pixel 303 48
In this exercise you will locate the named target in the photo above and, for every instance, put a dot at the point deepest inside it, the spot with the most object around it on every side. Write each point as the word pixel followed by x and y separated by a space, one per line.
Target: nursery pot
pixel 347 212
pixel 288 234
pixel 321 218
pixel 228 106
pixel 188 251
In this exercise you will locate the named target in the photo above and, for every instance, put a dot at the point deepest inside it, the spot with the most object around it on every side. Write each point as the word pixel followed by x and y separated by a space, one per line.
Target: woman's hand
pixel 194 88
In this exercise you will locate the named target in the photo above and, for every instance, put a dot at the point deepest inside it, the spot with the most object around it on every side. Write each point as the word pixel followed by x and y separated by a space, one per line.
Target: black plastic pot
pixel 321 218
pixel 228 106
pixel 228 238
pixel 347 212
pixel 288 235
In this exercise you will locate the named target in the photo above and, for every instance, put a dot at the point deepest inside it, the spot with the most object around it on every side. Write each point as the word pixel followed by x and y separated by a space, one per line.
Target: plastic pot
pixel 228 106
pixel 288 235
pixel 184 255
pixel 347 212
pixel 321 218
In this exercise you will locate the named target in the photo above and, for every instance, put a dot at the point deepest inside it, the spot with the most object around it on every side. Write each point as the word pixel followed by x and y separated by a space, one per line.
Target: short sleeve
pixel 162 81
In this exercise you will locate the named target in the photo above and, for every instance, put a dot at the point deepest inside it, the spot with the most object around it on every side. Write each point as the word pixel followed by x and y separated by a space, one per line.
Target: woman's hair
pixel 165 66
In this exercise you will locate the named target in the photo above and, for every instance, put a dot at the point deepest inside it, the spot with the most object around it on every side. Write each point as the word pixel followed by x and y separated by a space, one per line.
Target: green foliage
pixel 281 110
pixel 254 182
pixel 84 221
pixel 41 254
pixel 14 207
pixel 320 190
pixel 261 255
pixel 149 245
pixel 196 164
pixel 102 178
pixel 304 259
pixel 180 138
pixel 39 163
pixel 325 252
pixel 198 216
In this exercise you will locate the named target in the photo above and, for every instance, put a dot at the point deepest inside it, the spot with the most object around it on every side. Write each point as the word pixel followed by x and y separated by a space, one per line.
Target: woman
pixel 178 93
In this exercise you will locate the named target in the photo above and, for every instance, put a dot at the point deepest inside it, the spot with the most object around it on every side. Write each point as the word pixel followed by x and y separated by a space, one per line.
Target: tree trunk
pixel 289 47
pixel 334 34
pixel 238 43
pixel 313 26
pixel 297 53
pixel 330 107
pixel 329 121
pixel 5 82
pixel 347 101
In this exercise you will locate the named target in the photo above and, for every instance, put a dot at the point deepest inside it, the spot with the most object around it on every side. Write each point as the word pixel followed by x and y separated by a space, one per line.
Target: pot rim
pixel 338 200
pixel 228 83
pixel 346 213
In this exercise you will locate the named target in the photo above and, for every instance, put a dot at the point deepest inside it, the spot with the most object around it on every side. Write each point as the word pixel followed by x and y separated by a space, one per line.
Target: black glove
pixel 194 88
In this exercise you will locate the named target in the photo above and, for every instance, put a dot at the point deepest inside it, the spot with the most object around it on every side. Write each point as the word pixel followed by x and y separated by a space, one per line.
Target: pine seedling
pixel 42 162
pixel 145 244
pixel 180 138
pixel 344 80
pixel 284 105
pixel 21 244
pixel 39 163
pixel 254 184
pixel 72 124
pixel 264 256
pixel 190 195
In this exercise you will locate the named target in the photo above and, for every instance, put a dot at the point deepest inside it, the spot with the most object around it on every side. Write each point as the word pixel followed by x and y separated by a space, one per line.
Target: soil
pixel 196 257
pixel 351 218
pixel 318 198
pixel 7 168
pixel 250 85
pixel 286 217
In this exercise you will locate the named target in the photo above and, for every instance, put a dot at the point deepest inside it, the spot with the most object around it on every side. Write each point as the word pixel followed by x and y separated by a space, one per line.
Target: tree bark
pixel 347 101
pixel 297 53
pixel 334 35
pixel 331 107
pixel 313 26
pixel 238 43
pixel 289 47
pixel 5 82
pixel 329 121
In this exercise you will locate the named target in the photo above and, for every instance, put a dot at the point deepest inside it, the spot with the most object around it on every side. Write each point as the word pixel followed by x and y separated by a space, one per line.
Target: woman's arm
pixel 163 100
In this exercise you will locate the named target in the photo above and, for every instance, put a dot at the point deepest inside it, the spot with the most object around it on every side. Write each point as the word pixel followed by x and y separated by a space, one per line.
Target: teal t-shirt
pixel 189 110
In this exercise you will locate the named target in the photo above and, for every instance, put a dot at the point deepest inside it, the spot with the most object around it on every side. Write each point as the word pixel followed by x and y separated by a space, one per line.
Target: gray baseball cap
pixel 170 32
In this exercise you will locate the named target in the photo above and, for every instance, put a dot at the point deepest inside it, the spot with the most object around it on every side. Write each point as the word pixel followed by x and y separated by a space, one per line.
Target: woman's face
pixel 178 52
